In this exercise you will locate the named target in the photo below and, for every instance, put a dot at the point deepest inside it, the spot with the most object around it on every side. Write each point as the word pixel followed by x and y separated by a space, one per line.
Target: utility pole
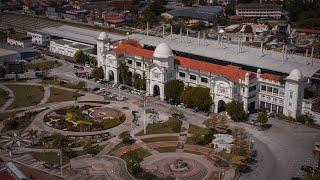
pixel 144 116
pixel 61 162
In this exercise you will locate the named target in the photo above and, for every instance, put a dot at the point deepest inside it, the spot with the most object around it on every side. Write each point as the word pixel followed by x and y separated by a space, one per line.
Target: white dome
pixel 103 36
pixel 295 75
pixel 162 51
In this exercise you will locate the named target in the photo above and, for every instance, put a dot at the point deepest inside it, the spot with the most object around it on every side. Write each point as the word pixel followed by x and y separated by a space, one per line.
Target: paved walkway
pixel 46 94
pixel 11 97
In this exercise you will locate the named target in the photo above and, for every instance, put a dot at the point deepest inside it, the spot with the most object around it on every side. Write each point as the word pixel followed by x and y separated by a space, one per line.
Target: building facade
pixel 256 10
pixel 226 82
pixel 68 48
pixel 19 40
pixel 39 38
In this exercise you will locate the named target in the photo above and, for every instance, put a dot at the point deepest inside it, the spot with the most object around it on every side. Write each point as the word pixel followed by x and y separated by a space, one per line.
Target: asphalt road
pixel 282 150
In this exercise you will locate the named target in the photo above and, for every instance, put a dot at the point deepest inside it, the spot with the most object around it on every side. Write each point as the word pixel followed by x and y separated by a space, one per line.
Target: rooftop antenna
pixel 147 28
pixel 312 56
pixel 307 53
pixel 282 52
pixel 187 35
pixel 199 37
pixel 127 35
pixel 262 52
pixel 286 51
pixel 239 44
pixel 171 32
pixel 180 34
pixel 163 31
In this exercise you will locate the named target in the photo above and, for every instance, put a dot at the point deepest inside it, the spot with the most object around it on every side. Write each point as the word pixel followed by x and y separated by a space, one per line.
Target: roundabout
pixel 184 166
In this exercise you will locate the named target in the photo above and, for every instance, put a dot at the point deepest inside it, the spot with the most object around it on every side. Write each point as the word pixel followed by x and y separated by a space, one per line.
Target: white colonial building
pixel 226 82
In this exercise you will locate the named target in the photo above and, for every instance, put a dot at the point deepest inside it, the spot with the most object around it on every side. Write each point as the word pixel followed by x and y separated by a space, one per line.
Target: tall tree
pixel 262 117
pixel 98 73
pixel 78 56
pixel 173 90
pixel 235 110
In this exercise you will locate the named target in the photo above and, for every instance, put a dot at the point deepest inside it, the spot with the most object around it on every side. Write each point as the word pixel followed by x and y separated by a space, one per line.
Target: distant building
pixel 203 13
pixel 256 10
pixel 39 38
pixel 69 48
pixel 8 56
pixel 19 40
pixel 113 19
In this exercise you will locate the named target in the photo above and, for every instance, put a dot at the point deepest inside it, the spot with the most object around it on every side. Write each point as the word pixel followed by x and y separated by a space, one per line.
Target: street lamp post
pixel 144 115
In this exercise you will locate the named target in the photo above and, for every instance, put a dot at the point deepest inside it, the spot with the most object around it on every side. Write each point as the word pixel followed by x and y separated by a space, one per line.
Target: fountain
pixel 179 166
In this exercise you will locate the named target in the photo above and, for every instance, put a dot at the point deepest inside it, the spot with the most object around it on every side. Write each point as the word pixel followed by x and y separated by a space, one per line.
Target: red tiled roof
pixel 306 30
pixel 270 76
pixel 133 49
pixel 233 73
pixel 235 17
pixel 6 175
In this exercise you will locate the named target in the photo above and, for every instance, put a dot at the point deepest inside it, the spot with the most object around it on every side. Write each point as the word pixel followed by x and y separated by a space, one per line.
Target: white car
pixel 87 65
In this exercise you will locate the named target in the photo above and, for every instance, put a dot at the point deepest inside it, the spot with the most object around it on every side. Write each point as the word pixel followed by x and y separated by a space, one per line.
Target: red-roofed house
pixel 113 19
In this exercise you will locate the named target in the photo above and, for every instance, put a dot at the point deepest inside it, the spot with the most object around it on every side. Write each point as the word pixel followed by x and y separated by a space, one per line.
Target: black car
pixel 244 169
pixel 178 115
pixel 295 178
pixel 250 160
pixel 254 154
pixel 307 168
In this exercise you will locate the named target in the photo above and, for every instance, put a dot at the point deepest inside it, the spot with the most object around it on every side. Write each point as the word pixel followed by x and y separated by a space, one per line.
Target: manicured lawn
pixel 18 123
pixel 166 149
pixel 193 152
pixel 3 95
pixel 50 157
pixel 232 158
pixel 58 95
pixel 173 125
pixel 44 65
pixel 117 147
pixel 159 139
pixel 6 115
pixel 26 95
pixel 142 153
pixel 79 85
pixel 193 129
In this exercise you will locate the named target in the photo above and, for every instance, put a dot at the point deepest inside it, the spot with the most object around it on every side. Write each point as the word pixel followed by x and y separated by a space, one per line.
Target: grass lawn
pixel 26 95
pixel 120 145
pixel 50 157
pixel 193 129
pixel 159 139
pixel 173 125
pixel 142 153
pixel 18 123
pixel 231 158
pixel 193 152
pixel 110 123
pixel 58 95
pixel 6 115
pixel 79 85
pixel 3 95
pixel 166 149
pixel 44 65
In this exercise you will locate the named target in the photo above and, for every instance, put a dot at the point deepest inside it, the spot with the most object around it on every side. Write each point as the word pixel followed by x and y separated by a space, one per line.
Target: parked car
pixel 307 168
pixel 178 115
pixel 181 105
pixel 81 68
pixel 295 178
pixel 87 65
pixel 244 168
pixel 195 109
pixel 76 66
